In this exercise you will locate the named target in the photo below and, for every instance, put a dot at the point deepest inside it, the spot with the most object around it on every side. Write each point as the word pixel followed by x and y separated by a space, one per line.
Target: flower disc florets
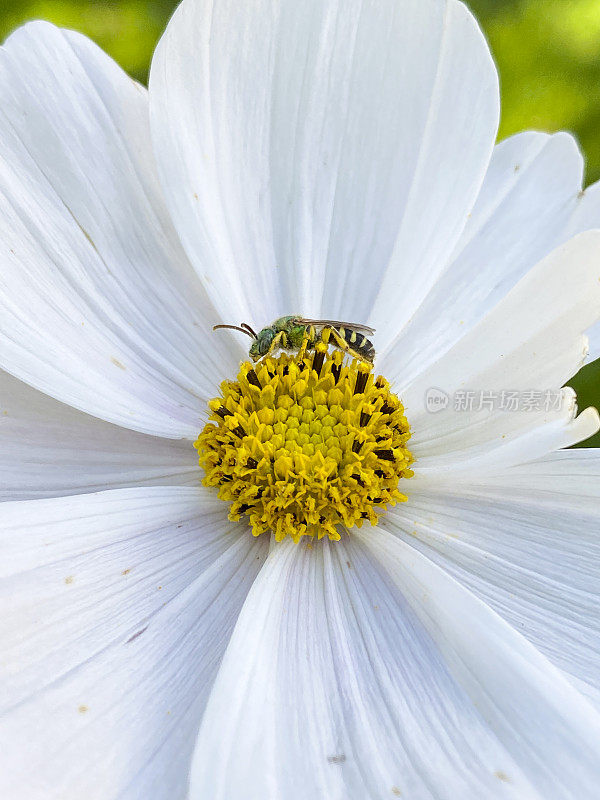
pixel 306 448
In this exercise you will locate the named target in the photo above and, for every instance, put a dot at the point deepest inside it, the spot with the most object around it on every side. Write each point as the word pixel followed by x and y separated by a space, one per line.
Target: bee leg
pixel 308 338
pixel 280 340
pixel 303 346
pixel 343 344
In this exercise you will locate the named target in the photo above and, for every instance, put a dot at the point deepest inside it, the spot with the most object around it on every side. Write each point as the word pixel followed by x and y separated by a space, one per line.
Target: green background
pixel 547 51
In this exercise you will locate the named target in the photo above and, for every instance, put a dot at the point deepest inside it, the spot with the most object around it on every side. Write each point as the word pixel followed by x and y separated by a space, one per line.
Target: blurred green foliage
pixel 127 30
pixel 547 51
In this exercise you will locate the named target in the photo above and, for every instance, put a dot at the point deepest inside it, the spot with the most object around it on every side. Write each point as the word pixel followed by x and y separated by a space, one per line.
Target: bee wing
pixel 335 323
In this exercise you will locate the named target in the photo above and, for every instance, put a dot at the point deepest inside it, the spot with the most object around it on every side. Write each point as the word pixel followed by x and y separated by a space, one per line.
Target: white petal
pixel 489 446
pixel 526 542
pixel 551 731
pixel 49 449
pixel 337 683
pixel 594 342
pixel 98 305
pixel 524 210
pixel 531 341
pixel 587 215
pixel 313 153
pixel 116 609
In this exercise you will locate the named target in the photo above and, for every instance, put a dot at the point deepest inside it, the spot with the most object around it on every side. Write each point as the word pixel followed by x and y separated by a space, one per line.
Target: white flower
pixel 334 159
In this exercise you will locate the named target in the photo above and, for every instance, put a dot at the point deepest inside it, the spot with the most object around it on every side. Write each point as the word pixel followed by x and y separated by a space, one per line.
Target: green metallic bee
pixel 300 334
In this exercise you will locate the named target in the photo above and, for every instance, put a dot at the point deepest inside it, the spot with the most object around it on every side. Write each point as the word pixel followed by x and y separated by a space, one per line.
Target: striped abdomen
pixel 358 343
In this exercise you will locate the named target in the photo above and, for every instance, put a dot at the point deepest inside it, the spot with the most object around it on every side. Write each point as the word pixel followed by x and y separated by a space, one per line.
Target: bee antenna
pixel 249 329
pixel 235 328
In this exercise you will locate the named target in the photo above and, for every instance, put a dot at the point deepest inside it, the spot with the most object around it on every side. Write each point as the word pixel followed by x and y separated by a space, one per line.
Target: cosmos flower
pixel 334 160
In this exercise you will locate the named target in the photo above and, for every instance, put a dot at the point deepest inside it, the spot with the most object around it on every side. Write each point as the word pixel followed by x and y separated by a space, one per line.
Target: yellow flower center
pixel 306 447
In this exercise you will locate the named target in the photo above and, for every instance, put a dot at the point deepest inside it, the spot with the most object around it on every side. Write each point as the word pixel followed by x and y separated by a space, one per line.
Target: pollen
pixel 306 447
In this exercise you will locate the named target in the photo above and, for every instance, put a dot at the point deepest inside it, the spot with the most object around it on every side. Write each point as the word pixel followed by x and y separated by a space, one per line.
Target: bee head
pixel 260 346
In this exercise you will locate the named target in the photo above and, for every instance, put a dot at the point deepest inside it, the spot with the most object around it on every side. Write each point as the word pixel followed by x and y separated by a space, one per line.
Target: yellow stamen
pixel 306 447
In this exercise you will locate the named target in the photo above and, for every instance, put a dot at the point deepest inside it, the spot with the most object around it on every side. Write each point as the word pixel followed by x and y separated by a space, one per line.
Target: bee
pixel 299 334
